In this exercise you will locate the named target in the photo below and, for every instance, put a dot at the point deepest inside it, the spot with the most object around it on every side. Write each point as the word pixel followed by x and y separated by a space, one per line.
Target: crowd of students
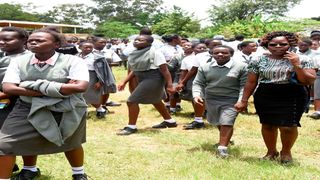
pixel 48 81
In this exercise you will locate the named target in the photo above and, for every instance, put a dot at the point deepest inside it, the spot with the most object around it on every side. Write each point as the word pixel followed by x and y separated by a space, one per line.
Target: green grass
pixel 179 154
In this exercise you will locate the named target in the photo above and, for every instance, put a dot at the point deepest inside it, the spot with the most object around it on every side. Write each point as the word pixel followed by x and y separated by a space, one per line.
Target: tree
pixel 177 22
pixel 232 10
pixel 116 29
pixel 16 12
pixel 135 12
pixel 69 14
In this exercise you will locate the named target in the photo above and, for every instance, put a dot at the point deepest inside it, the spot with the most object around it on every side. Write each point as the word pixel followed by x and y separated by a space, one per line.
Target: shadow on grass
pixel 149 131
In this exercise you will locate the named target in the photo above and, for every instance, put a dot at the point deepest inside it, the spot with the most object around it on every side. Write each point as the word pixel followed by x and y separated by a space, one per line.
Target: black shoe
pixel 165 124
pixel 112 103
pixel 178 108
pixel 27 175
pixel 194 125
pixel 15 168
pixel 127 131
pixel 79 177
pixel 101 115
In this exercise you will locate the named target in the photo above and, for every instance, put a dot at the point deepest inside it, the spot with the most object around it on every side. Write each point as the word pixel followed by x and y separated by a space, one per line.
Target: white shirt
pixel 159 59
pixel 187 62
pixel 170 52
pixel 201 59
pixel 228 64
pixel 78 70
pixel 89 60
pixel 108 54
pixel 240 56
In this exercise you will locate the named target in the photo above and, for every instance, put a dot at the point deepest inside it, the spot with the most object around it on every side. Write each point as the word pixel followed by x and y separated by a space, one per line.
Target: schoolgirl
pixel 150 68
pixel 49 116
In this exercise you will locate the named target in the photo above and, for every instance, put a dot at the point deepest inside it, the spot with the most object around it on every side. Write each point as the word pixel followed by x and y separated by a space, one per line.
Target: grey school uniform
pixel 19 137
pixel 221 87
pixel 150 88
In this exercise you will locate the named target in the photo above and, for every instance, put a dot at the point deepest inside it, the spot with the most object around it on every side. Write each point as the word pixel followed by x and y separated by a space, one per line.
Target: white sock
pixel 77 170
pixel 178 104
pixel 198 119
pixel 100 109
pixel 5 179
pixel 172 109
pixel 222 147
pixel 132 126
pixel 30 168
pixel 170 120
pixel 318 112
pixel 167 103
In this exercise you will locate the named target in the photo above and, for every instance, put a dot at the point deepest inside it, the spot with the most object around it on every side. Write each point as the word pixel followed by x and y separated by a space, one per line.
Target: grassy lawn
pixel 178 154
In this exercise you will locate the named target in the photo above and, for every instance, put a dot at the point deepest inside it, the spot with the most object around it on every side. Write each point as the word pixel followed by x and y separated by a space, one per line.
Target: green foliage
pixel 16 12
pixel 116 29
pixel 177 22
pixel 70 14
pixel 233 10
pixel 135 12
pixel 256 27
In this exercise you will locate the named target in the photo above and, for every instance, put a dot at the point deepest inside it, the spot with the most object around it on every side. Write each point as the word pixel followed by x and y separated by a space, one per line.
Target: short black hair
pixel 231 50
pixel 56 36
pixel 23 34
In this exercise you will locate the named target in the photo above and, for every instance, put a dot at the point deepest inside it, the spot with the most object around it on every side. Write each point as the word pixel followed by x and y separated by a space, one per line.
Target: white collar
pixel 228 64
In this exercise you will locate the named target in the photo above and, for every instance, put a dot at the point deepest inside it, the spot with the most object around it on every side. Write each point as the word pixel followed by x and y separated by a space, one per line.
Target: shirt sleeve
pixel 79 70
pixel 13 72
pixel 115 58
pixel 159 58
pixel 253 66
pixel 199 84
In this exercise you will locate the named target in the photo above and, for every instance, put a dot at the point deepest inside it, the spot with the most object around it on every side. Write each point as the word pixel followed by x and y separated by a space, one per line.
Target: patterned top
pixel 274 70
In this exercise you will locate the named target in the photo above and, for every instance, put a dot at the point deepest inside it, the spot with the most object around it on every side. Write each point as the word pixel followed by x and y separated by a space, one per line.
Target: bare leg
pixel 133 112
pixel 162 110
pixel 198 109
pixel 270 135
pixel 104 99
pixel 317 104
pixel 29 160
pixel 6 164
pixel 226 132
pixel 75 157
pixel 288 137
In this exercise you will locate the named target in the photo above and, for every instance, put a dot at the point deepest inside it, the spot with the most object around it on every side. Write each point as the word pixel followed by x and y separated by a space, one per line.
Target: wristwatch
pixel 298 66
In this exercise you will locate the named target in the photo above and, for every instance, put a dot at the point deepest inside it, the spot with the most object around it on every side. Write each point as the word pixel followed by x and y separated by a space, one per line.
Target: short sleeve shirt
pixel 275 71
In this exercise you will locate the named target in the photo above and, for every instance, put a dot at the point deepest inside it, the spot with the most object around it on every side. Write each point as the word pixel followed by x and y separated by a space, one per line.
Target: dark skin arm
pixel 166 74
pixel 250 86
pixel 75 87
pixel 3 95
pixel 193 71
pixel 122 85
pixel 15 90
pixel 305 76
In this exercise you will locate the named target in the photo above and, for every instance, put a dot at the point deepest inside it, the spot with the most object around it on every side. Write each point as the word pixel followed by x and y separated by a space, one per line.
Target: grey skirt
pixel 93 96
pixel 150 88
pixel 19 137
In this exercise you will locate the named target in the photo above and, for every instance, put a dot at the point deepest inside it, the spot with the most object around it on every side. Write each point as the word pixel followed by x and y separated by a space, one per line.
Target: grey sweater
pixel 223 81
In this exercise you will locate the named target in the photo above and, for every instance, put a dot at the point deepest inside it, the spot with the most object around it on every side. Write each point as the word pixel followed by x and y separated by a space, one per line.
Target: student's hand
pixel 71 81
pixel 198 100
pixel 179 87
pixel 241 106
pixel 121 86
pixel 171 90
pixel 97 86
